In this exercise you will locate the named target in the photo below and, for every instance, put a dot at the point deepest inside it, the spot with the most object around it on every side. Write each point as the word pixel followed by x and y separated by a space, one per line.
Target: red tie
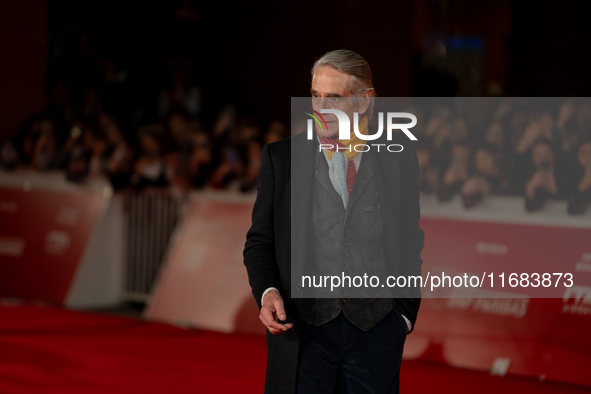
pixel 351 171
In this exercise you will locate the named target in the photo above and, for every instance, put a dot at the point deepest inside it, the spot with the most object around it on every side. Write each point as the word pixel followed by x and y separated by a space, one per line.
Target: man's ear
pixel 364 101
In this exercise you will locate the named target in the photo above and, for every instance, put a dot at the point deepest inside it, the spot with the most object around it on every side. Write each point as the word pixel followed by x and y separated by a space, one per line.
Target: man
pixel 369 206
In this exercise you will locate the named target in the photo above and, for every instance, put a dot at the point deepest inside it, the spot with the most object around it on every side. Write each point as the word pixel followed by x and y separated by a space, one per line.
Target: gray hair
pixel 354 65
pixel 350 63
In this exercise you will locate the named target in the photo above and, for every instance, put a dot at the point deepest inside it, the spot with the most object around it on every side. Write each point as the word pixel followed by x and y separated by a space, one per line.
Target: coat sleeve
pixel 412 237
pixel 259 250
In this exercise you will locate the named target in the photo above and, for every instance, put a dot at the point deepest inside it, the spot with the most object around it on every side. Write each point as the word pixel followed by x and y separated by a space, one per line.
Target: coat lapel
pixel 302 181
pixel 302 174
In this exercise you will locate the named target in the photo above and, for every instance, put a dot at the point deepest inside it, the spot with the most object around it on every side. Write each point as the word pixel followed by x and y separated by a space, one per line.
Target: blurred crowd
pixel 539 148
pixel 176 150
pixel 536 148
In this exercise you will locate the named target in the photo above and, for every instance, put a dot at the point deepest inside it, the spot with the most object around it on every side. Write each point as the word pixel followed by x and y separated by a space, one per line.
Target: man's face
pixel 329 86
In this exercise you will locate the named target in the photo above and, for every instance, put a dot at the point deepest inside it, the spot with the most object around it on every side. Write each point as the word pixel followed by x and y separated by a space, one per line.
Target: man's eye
pixel 335 99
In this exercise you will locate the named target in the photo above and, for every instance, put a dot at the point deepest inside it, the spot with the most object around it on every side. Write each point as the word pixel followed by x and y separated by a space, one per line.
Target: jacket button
pixel 347 254
pixel 336 308
pixel 344 300
pixel 347 234
pixel 347 224
pixel 346 263
pixel 346 243
pixel 299 288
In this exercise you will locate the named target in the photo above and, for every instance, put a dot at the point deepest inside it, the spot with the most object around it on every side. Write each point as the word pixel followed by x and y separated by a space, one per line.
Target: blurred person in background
pixel 252 166
pixel 573 123
pixel 119 155
pixel 96 165
pixel 443 131
pixel 486 177
pixel 501 112
pixel 180 134
pixel 250 147
pixel 524 129
pixel 238 151
pixel 541 181
pixel 275 132
pixel 45 147
pixel 495 136
pixel 92 145
pixel 539 128
pixel 516 122
pixel 422 120
pixel 580 184
pixel 429 173
pixel 9 156
pixel 230 168
pixel 200 162
pixel 77 167
pixel 456 172
pixel 225 121
pixel 74 139
pixel 150 166
pixel 226 160
pixel 175 174
pixel 74 156
pixel 24 143
pixel 444 128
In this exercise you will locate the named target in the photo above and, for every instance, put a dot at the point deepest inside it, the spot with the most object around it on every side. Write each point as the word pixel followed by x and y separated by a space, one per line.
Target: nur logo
pixel 345 127
pixel 315 118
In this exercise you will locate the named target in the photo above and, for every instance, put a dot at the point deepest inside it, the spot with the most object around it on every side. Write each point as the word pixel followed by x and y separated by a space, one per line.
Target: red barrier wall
pixel 43 235
pixel 204 284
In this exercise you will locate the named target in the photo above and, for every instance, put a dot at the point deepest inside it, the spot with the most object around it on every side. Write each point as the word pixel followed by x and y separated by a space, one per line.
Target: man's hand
pixel 273 310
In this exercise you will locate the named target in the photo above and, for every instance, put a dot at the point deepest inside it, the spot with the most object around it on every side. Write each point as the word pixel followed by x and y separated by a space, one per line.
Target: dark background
pixel 258 55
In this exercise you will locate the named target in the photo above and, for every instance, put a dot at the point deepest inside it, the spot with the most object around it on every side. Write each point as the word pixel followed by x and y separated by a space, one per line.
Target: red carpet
pixel 47 350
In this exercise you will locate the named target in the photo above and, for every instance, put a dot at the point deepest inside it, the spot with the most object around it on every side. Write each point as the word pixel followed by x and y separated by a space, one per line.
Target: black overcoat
pixel 267 252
